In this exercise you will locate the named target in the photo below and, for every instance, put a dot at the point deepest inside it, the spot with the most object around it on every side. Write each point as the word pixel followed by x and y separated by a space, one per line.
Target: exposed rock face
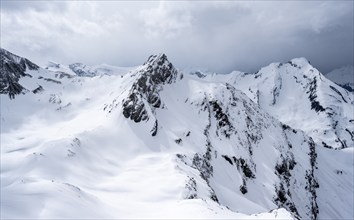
pixel 13 68
pixel 144 93
pixel 315 104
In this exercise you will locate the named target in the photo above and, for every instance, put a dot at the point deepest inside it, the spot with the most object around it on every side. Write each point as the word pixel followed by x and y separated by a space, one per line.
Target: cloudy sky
pixel 216 36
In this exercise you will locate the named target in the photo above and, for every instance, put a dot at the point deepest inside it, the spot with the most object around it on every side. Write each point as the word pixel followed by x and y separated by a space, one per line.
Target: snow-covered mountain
pixel 90 71
pixel 343 76
pixel 157 143
pixel 298 95
pixel 83 70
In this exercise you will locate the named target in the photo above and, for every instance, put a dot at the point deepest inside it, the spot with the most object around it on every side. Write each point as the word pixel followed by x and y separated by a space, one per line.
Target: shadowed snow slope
pixel 154 143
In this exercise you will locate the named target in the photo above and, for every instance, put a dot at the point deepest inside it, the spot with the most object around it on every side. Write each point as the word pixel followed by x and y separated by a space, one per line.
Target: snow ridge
pixel 299 95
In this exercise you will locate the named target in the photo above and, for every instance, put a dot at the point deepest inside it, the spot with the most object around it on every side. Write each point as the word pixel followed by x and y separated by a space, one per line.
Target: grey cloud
pixel 23 5
pixel 219 36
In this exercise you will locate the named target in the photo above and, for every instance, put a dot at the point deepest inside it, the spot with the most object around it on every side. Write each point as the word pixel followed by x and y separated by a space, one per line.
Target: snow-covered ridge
pixel 13 67
pixel 166 144
pixel 103 69
pixel 299 95
pixel 10 58
pixel 83 70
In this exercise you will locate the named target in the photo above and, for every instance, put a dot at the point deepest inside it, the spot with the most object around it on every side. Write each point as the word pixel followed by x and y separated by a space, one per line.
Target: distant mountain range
pixel 152 141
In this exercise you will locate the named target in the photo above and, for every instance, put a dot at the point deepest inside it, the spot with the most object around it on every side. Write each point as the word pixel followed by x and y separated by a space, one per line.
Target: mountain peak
pixel 156 72
pixel 159 70
pixel 158 59
pixel 300 62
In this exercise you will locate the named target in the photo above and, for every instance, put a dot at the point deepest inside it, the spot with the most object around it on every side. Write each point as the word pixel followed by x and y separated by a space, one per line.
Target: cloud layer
pixel 218 36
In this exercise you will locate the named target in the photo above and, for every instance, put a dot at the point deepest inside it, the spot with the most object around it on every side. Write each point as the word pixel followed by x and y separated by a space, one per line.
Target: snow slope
pixel 343 76
pixel 155 143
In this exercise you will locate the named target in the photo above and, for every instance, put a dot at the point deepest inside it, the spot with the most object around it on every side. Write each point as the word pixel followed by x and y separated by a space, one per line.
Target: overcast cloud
pixel 218 36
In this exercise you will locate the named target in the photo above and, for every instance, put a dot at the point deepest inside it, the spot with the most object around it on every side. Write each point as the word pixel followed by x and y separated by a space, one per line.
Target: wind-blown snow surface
pixel 154 143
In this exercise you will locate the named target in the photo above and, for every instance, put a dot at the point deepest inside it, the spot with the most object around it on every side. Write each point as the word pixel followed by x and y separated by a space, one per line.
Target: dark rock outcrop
pixel 156 72
pixel 315 104
pixel 13 67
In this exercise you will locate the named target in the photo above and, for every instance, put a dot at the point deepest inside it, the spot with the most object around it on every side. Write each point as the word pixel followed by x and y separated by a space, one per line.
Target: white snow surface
pixel 68 151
